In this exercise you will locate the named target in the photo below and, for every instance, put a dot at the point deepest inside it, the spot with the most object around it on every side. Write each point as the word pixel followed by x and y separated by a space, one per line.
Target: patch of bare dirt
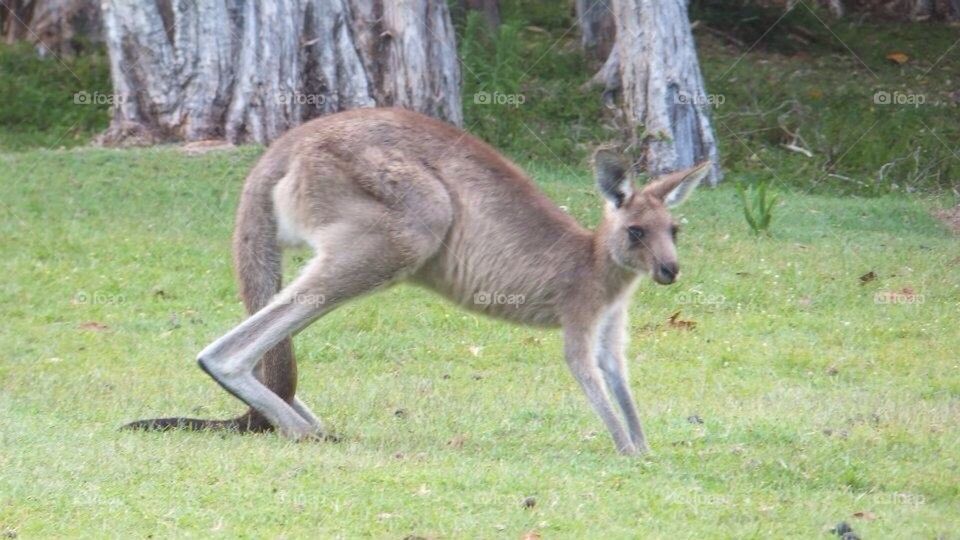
pixel 950 217
pixel 202 147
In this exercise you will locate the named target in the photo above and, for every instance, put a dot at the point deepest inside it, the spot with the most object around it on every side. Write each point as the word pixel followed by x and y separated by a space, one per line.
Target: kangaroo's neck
pixel 614 280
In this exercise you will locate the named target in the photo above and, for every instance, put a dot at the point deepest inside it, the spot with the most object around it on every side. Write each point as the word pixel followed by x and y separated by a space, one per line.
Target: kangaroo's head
pixel 638 231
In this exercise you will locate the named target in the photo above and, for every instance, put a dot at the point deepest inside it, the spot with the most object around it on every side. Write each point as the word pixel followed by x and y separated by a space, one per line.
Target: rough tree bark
pixel 53 25
pixel 836 7
pixel 15 17
pixel 662 91
pixel 247 71
pixel 608 78
pixel 409 50
pixel 598 30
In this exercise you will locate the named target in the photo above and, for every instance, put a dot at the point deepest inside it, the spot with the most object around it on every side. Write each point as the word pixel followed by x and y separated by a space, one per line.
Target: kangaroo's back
pixel 505 243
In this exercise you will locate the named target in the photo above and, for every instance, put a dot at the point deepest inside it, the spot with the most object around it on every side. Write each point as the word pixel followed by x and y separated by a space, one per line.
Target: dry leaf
pixel 865 514
pixel 898 57
pixel 457 441
pixel 474 350
pixel 531 535
pixel 94 326
pixel 868 277
pixel 675 322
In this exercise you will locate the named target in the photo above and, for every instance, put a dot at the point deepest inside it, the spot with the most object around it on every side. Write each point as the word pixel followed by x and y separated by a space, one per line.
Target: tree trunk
pixel 248 71
pixel 409 49
pixel 15 17
pixel 835 6
pixel 664 101
pixel 54 25
pixel 608 78
pixel 598 31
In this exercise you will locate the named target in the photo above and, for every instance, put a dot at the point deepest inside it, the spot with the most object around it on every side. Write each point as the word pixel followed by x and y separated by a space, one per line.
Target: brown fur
pixel 384 195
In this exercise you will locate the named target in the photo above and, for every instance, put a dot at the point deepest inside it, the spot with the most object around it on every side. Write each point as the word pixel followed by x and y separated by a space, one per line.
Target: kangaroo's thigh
pixel 354 259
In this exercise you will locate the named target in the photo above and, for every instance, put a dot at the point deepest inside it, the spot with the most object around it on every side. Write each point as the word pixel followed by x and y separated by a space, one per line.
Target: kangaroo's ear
pixel 612 179
pixel 675 187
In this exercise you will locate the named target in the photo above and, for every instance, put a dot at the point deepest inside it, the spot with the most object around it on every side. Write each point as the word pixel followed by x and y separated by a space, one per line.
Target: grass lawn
pixel 802 396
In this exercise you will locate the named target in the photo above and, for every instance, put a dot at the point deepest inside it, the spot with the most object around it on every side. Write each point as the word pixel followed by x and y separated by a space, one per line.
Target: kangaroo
pixel 388 195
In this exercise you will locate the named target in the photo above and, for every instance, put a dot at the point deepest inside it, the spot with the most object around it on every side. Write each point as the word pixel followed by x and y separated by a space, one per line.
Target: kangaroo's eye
pixel 635 233
pixel 674 230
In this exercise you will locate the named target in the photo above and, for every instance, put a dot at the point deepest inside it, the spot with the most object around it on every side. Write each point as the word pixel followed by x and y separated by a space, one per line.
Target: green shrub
pixel 51 101
pixel 757 205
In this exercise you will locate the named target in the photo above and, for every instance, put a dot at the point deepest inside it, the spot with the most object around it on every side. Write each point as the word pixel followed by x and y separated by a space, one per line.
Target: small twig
pixel 795 138
pixel 724 35
pixel 798 149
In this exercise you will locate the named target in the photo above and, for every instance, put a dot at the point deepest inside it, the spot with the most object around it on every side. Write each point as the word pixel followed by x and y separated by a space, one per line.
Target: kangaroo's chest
pixel 517 287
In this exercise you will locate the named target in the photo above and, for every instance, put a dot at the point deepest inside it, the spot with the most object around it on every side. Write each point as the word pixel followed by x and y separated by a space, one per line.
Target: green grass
pixel 810 75
pixel 51 102
pixel 817 401
pixel 828 95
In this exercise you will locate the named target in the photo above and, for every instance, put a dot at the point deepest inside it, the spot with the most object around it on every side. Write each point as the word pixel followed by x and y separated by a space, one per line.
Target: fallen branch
pixel 798 149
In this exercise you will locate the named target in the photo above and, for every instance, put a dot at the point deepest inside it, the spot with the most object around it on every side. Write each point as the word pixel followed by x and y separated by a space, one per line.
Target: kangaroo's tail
pixel 257 261
pixel 247 422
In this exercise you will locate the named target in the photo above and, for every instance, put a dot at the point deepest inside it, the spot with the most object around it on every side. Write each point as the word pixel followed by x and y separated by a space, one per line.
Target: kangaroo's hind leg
pixel 354 259
pixel 326 282
pixel 367 238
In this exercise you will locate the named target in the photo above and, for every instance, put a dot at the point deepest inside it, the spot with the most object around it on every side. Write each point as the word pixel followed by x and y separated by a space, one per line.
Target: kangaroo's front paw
pixel 628 450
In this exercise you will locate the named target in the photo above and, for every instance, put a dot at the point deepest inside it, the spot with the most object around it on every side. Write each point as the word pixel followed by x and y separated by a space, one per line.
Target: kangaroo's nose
pixel 667 273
